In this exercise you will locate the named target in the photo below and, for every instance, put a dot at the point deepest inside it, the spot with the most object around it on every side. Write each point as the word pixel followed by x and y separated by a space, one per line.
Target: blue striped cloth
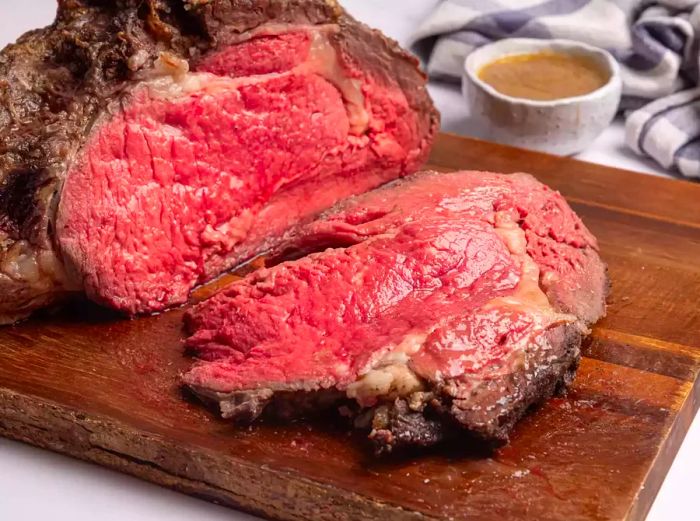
pixel 657 44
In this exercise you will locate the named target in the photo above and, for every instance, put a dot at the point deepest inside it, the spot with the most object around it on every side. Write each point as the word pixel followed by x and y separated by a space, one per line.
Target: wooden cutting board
pixel 84 383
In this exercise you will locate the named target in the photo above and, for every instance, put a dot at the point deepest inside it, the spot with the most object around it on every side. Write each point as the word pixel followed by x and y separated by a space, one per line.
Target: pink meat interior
pixel 319 321
pixel 420 269
pixel 185 181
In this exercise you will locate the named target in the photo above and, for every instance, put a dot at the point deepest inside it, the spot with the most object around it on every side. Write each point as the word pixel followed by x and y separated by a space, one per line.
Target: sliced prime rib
pixel 148 145
pixel 438 304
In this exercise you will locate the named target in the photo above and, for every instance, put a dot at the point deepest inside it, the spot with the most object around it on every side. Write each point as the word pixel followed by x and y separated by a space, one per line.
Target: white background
pixel 38 485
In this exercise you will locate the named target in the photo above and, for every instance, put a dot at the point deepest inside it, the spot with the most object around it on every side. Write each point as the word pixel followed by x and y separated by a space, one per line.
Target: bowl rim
pixel 559 44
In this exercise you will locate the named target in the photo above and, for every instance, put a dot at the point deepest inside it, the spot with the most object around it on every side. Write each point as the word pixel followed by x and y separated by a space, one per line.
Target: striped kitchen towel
pixel 668 130
pixel 656 42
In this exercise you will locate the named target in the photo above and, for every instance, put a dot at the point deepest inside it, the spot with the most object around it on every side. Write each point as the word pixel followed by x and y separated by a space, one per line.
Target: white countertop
pixel 37 485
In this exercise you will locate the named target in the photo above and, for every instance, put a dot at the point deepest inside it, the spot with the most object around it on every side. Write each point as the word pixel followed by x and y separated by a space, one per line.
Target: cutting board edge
pixel 65 431
pixel 666 455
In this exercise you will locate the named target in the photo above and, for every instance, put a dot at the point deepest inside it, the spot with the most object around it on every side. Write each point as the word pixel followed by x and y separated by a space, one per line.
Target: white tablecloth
pixel 37 485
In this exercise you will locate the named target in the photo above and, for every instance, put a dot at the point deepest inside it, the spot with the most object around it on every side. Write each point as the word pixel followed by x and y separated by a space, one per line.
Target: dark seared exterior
pixel 55 82
pixel 439 417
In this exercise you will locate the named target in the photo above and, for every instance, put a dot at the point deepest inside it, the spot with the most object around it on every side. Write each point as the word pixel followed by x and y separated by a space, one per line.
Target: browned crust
pixel 550 370
pixel 395 426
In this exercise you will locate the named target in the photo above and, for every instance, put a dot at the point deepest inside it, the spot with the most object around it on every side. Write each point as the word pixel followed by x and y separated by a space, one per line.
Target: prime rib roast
pixel 436 305
pixel 147 146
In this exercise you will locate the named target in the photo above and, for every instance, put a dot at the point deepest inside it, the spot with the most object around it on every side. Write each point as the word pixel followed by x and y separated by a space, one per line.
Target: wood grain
pixel 84 383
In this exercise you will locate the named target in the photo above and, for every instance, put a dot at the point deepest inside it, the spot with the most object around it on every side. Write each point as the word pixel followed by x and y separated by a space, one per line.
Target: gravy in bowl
pixel 544 76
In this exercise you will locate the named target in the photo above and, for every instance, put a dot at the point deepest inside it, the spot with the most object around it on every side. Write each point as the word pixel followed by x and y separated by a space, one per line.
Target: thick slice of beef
pixel 438 304
pixel 149 145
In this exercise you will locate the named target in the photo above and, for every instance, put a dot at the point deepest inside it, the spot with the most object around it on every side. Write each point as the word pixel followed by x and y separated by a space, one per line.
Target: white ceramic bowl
pixel 564 126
